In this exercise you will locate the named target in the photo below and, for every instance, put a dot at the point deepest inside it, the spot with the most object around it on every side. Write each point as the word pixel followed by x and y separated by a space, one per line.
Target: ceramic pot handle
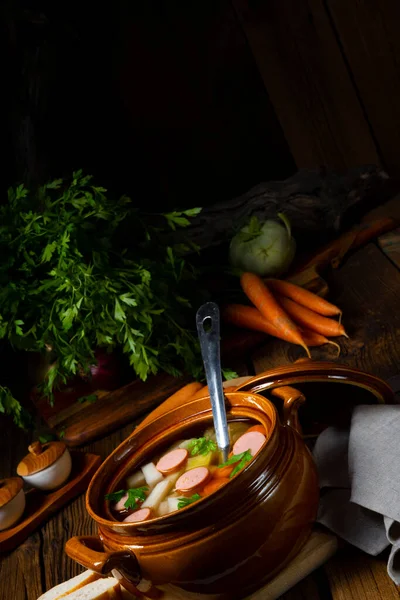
pixel 292 400
pixel 88 551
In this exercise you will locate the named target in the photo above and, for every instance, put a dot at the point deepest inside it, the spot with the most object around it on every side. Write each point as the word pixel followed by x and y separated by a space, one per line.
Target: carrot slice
pixel 214 485
pixel 263 299
pixel 304 297
pixel 224 472
pixel 311 320
pixel 258 428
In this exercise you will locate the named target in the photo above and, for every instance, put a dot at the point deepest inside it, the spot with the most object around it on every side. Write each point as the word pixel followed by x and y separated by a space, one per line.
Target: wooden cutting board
pixel 80 423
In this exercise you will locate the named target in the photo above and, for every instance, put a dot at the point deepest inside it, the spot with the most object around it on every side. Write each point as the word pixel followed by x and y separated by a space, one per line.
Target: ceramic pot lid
pixel 331 390
pixel 40 457
pixel 9 488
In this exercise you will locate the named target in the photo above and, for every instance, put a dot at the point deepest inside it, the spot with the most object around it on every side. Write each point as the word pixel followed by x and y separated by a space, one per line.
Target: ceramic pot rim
pixel 124 454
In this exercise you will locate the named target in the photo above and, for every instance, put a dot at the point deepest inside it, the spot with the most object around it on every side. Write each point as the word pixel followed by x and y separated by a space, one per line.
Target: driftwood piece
pixel 324 202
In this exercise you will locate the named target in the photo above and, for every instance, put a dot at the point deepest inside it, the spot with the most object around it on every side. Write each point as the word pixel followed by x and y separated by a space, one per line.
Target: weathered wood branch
pixel 314 201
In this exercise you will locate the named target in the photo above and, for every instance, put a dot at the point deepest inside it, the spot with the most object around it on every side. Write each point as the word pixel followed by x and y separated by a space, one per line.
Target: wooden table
pixel 367 287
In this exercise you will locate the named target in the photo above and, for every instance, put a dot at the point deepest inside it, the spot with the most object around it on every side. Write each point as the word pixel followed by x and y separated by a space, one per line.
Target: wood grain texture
pixel 354 575
pixel 369 34
pixel 367 281
pixel 40 457
pixel 9 488
pixel 367 289
pixel 390 245
pixel 303 70
pixel 40 505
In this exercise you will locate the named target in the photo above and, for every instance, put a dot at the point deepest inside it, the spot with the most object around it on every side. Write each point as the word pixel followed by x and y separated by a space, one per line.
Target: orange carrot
pixel 312 338
pixel 304 297
pixel 311 320
pixel 263 299
pixel 249 317
pixel 180 397
pixel 203 391
pixel 258 428
pixel 224 472
pixel 214 485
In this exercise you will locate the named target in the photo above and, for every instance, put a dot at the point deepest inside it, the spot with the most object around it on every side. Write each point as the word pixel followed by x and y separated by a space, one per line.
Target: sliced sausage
pixel 251 440
pixel 143 514
pixel 120 505
pixel 172 461
pixel 192 479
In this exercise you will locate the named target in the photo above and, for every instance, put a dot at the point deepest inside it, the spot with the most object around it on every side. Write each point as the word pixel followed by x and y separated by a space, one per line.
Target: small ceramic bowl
pixel 12 501
pixel 47 466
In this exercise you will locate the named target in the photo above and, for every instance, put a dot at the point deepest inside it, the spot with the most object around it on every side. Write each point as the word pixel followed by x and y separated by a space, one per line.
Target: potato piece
pixel 181 444
pixel 210 434
pixel 236 429
pixel 163 509
pixel 135 480
pixel 151 474
pixel 173 477
pixel 173 503
pixel 186 443
pixel 201 461
pixel 157 495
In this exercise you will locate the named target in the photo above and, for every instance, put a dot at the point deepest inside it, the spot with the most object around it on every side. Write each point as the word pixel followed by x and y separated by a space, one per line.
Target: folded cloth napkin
pixel 359 474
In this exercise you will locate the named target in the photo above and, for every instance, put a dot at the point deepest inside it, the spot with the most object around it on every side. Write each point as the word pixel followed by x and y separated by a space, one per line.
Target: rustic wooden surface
pixel 367 287
pixel 41 505
pixel 307 79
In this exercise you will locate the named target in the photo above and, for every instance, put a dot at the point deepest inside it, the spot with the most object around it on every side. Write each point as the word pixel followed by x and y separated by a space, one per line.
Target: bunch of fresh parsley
pixel 80 270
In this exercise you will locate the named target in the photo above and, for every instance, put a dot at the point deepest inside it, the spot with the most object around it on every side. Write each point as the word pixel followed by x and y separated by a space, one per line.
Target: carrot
pixel 258 428
pixel 203 391
pixel 180 397
pixel 312 338
pixel 304 297
pixel 223 473
pixel 311 320
pixel 249 317
pixel 214 485
pixel 263 299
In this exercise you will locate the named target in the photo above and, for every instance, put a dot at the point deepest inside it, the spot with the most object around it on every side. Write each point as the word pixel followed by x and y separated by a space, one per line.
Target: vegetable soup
pixel 189 470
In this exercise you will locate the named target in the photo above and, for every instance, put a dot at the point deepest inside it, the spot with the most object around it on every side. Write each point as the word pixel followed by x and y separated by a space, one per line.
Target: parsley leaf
pixel 134 495
pixel 47 437
pixel 239 459
pixel 10 406
pixel 229 374
pixel 186 501
pixel 80 270
pixel 91 399
pixel 115 496
pixel 201 446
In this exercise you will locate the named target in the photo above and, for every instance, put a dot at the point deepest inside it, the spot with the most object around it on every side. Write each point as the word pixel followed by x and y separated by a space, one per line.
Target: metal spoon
pixel 207 321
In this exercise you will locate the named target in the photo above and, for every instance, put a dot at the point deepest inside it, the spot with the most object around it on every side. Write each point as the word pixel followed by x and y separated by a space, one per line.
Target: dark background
pixel 160 100
pixel 182 103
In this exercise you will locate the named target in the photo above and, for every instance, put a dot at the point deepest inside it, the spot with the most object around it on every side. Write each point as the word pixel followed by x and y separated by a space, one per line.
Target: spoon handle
pixel 207 321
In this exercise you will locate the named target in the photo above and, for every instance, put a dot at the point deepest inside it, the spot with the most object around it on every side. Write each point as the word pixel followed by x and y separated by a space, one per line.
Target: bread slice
pixel 65 588
pixel 102 589
pixel 127 595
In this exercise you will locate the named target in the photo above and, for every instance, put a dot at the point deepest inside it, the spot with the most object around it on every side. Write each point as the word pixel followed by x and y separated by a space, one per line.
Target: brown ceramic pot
pixel 229 543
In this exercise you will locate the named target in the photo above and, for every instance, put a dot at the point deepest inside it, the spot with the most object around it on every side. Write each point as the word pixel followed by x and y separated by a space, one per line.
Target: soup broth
pixel 187 471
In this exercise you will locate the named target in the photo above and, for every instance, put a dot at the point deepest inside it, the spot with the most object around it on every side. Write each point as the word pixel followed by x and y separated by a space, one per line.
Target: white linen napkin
pixel 359 474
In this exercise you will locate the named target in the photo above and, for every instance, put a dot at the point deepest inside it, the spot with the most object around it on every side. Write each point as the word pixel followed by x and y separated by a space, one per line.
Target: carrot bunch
pixel 286 311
